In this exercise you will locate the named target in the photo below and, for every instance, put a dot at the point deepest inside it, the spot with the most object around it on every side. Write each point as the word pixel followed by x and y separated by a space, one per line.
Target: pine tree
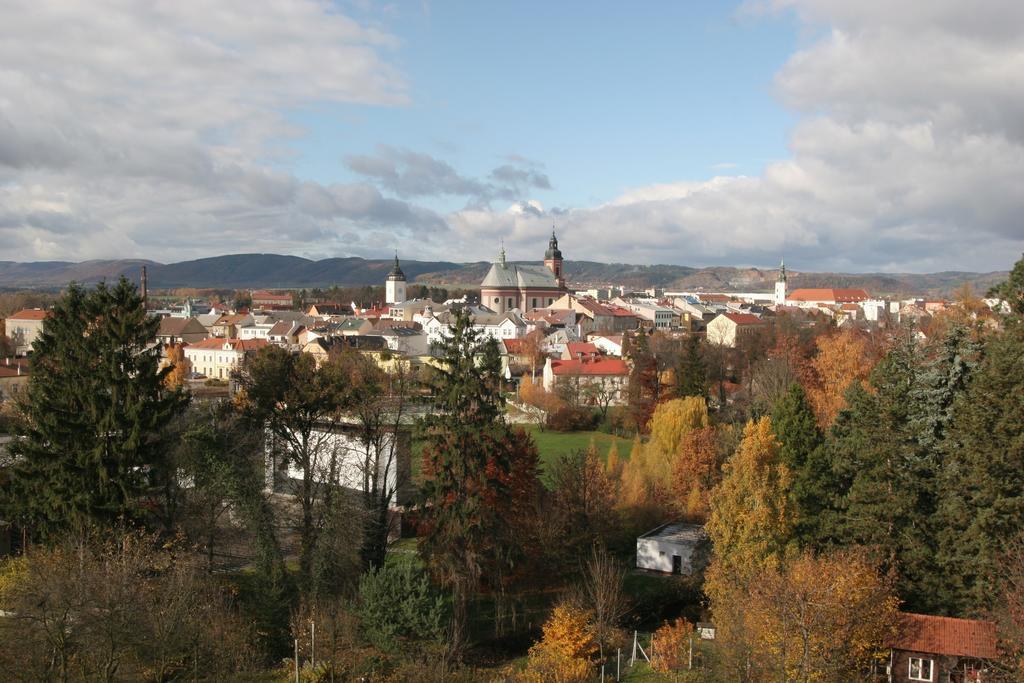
pixel 467 464
pixel 692 372
pixel 982 479
pixel 884 493
pixel 96 407
pixel 800 441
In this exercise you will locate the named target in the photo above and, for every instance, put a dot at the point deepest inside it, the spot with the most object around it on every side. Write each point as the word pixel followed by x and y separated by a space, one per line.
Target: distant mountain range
pixel 238 271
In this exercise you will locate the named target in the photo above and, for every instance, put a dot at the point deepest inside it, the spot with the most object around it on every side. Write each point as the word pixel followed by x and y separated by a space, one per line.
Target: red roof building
pixel 828 296
pixel 929 648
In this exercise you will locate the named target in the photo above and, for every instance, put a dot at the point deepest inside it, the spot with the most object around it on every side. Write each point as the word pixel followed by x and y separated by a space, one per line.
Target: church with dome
pixel 510 285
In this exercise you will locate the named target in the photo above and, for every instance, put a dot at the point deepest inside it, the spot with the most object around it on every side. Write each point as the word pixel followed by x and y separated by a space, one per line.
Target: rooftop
pixel 677 532
pixel 946 636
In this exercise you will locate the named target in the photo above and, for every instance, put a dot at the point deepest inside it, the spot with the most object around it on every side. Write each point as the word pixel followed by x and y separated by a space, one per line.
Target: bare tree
pixel 601 591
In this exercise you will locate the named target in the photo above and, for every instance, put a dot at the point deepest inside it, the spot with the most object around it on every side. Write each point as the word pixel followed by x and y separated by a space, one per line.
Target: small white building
pixel 670 548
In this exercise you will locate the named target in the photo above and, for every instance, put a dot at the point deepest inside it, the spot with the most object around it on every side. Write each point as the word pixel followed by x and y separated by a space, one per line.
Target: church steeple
pixel 394 288
pixel 553 258
pixel 780 285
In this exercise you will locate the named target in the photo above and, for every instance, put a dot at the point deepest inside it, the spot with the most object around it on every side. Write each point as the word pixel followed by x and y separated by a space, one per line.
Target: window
pixel 920 669
pixel 496 299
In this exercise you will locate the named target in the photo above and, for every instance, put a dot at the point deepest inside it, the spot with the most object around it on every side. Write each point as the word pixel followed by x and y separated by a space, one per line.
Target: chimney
pixel 142 287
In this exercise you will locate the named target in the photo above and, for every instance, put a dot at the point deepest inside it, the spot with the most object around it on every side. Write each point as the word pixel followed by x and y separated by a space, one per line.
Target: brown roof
pixel 744 318
pixel 30 314
pixel 172 327
pixel 946 636
pixel 513 346
pixel 586 348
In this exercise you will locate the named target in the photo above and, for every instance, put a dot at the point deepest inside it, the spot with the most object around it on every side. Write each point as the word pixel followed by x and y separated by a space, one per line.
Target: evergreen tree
pixel 467 465
pixel 884 491
pixel 982 479
pixel 1012 291
pixel 800 448
pixel 943 378
pixel 644 384
pixel 96 406
pixel 692 372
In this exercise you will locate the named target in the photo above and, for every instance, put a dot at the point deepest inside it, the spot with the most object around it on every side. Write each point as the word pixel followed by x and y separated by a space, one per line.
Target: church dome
pixel 553 252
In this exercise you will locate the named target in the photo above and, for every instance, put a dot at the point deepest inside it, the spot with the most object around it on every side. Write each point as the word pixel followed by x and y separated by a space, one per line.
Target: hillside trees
pixel 92 442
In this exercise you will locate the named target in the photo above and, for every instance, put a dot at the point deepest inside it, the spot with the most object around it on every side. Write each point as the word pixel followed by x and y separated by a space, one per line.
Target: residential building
pixel 510 286
pixel 217 358
pixel 23 327
pixel 227 325
pixel 610 345
pixel 323 310
pixel 826 296
pixel 934 649
pixel 271 300
pixel 729 328
pixel 598 380
pixel 285 333
pixel 178 330
pixel 14 374
pixel 650 313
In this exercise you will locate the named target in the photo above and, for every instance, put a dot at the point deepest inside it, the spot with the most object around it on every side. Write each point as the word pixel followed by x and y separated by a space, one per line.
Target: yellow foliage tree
pixel 565 653
pixel 751 519
pixel 533 393
pixel 808 619
pixel 841 360
pixel 612 464
pixel 647 477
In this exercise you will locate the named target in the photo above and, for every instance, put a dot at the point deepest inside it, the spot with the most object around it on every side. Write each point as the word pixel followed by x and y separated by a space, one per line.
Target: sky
pixel 845 136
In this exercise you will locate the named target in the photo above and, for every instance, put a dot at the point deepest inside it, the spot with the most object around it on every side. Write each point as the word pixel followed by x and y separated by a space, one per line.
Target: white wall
pixel 656 555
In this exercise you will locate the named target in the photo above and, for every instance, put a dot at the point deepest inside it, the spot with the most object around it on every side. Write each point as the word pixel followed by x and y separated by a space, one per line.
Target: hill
pixel 238 271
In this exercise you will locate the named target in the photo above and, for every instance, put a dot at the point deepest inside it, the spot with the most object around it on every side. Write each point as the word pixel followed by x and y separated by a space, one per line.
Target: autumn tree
pixel 179 364
pixel 673 643
pixel 809 618
pixel 601 593
pixel 582 499
pixel 841 360
pixel 647 478
pixel 696 470
pixel 92 443
pixel 751 517
pixel 565 654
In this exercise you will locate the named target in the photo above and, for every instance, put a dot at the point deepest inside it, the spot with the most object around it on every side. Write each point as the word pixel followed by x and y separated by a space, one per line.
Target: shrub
pixel 398 602
pixel 569 419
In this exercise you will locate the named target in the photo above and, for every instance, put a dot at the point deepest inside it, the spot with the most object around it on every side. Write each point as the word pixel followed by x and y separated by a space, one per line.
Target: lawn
pixel 551 446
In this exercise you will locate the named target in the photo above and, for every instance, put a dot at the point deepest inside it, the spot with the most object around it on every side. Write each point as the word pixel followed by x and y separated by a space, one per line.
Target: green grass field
pixel 551 446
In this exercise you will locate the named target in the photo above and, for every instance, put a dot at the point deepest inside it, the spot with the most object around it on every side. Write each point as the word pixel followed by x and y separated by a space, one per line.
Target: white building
pixel 728 328
pixel 780 286
pixel 217 358
pixel 670 548
pixel 23 327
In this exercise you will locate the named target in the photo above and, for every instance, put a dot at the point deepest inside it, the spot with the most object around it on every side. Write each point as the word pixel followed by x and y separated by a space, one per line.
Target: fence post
pixel 632 658
pixel 296 660
pixel 618 664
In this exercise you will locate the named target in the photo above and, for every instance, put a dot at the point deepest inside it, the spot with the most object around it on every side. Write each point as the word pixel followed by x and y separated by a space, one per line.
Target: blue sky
pixel 843 136
pixel 614 97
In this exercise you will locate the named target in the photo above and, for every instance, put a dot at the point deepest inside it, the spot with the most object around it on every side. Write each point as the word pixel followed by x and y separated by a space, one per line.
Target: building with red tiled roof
pixel 576 350
pixel 595 380
pixel 271 300
pixel 929 648
pixel 24 327
pixel 829 296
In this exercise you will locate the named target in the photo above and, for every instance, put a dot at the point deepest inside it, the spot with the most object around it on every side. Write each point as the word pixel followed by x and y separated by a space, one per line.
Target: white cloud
pixel 909 155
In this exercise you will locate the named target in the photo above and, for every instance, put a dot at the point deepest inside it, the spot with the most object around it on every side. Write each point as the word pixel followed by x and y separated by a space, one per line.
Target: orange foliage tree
pixel 841 359
pixel 809 618
pixel 671 646
pixel 697 469
pixel 566 652
pixel 181 366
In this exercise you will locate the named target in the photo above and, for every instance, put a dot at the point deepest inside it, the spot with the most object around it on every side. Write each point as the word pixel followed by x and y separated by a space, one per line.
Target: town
pixel 635 422
pixel 536 342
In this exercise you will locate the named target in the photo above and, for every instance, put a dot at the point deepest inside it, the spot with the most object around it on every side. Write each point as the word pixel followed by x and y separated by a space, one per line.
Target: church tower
pixel 780 286
pixel 553 259
pixel 395 286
